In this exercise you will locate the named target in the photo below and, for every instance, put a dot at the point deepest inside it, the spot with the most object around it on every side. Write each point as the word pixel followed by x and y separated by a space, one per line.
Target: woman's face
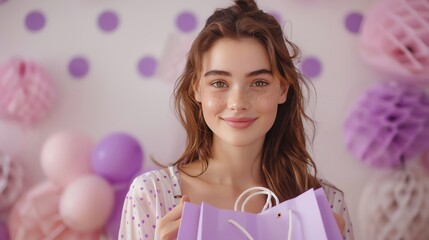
pixel 238 92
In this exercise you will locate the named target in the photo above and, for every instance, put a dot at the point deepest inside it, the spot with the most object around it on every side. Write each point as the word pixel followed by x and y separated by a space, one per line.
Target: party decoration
pixel 395 205
pixel 388 124
pixel 78 67
pixel 117 157
pixel 35 21
pixel 173 60
pixel 147 66
pixel 87 203
pixel 108 21
pixel 186 21
pixel 311 67
pixel 4 233
pixel 66 155
pixel 26 91
pixel 36 216
pixel 424 161
pixel 11 181
pixel 395 38
pixel 113 224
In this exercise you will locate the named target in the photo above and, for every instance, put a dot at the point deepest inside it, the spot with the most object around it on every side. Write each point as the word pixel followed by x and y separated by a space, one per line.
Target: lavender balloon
pixel 118 158
pixel 4 234
pixel 388 124
pixel 113 224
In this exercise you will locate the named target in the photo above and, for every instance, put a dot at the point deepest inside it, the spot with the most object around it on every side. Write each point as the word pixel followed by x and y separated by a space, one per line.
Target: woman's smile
pixel 239 122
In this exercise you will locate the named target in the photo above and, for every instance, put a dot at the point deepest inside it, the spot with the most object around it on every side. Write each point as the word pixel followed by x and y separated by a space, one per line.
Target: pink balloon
pixel 36 216
pixel 66 155
pixel 87 203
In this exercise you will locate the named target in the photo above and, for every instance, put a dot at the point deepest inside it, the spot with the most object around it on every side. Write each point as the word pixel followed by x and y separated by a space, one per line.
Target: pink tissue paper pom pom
pixel 395 39
pixel 36 216
pixel 11 181
pixel 388 124
pixel 26 91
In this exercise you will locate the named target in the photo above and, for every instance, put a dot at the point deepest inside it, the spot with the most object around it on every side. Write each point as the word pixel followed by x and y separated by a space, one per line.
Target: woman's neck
pixel 235 165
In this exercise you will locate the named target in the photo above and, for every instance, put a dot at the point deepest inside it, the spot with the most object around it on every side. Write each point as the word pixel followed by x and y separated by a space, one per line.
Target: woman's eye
pixel 219 84
pixel 260 83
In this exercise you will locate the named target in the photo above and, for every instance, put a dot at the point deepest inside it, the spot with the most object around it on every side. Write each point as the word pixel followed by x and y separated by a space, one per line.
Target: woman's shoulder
pixel 329 188
pixel 156 181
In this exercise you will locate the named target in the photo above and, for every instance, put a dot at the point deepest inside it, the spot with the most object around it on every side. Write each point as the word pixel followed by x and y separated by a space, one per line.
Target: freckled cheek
pixel 267 105
pixel 213 103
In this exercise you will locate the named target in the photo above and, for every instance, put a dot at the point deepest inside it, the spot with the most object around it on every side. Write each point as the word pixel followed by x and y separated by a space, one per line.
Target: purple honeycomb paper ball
pixel 389 124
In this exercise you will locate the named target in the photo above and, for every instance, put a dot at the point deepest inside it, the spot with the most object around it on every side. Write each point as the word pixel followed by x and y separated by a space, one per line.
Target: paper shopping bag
pixel 307 216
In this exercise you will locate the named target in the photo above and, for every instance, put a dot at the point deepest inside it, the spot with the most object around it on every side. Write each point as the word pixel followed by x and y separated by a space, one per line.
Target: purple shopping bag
pixel 307 216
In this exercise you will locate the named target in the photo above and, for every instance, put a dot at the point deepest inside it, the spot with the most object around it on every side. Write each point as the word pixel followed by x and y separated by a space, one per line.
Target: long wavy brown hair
pixel 286 166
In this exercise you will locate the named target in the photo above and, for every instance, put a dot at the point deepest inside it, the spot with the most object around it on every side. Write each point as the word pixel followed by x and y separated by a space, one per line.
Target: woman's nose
pixel 238 100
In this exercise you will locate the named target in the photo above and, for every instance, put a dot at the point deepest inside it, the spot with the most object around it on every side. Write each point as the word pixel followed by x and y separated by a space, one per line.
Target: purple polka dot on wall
pixel 147 66
pixel 353 22
pixel 311 67
pixel 2 1
pixel 35 21
pixel 277 16
pixel 78 67
pixel 108 21
pixel 186 22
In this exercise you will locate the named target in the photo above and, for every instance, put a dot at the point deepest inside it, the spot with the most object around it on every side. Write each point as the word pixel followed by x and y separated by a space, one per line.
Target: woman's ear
pixel 283 96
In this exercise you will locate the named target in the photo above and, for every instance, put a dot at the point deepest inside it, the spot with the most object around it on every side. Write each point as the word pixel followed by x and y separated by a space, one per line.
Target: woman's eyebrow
pixel 259 72
pixel 217 73
pixel 228 74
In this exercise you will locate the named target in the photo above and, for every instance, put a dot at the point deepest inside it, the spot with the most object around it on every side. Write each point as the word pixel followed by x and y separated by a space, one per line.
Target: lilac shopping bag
pixel 307 216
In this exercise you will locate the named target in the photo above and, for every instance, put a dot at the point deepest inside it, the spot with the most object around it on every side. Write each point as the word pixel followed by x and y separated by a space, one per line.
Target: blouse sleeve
pixel 339 206
pixel 149 198
pixel 137 221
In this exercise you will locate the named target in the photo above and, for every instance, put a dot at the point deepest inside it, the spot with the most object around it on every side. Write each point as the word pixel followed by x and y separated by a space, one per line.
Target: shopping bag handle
pixel 247 234
pixel 261 190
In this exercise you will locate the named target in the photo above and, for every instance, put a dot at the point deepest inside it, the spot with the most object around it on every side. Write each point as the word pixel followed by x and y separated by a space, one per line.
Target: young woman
pixel 241 103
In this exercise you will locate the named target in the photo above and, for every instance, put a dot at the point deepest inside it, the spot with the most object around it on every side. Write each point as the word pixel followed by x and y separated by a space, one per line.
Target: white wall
pixel 115 97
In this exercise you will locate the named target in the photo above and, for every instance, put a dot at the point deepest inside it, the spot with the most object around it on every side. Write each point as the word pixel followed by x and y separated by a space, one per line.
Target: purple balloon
pixel 117 157
pixel 112 225
pixel 4 234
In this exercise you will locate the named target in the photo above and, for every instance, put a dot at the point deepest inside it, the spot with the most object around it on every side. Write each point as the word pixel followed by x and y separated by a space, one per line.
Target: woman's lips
pixel 239 122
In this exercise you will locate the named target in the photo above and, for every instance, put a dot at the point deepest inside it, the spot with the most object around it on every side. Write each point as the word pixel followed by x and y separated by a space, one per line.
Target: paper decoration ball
pixel 11 181
pixel 26 91
pixel 388 124
pixel 395 38
pixel 395 205
pixel 36 216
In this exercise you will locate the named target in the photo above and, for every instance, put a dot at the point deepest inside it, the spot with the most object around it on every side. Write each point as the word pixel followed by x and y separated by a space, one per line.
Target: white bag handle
pixel 262 190
pixel 268 204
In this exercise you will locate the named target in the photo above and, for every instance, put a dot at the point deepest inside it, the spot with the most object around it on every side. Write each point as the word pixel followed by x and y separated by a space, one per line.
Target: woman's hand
pixel 341 223
pixel 168 226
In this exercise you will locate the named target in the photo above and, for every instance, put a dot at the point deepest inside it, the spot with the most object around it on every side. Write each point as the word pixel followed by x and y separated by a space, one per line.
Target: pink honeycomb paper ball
pixel 26 91
pixel 36 216
pixel 395 39
pixel 388 124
